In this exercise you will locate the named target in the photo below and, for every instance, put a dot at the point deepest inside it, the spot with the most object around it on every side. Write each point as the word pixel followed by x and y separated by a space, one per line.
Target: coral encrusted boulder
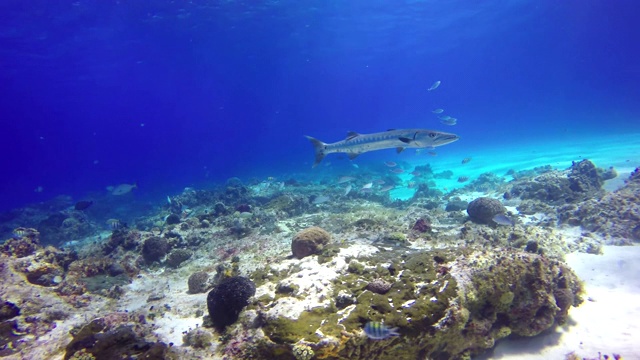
pixel 227 299
pixel 154 249
pixel 446 304
pixel 483 209
pixel 309 241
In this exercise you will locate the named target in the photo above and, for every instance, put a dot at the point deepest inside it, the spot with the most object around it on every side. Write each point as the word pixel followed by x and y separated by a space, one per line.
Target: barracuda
pixel 356 144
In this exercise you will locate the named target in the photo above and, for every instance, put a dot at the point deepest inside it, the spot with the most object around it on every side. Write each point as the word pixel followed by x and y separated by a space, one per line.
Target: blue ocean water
pixel 171 94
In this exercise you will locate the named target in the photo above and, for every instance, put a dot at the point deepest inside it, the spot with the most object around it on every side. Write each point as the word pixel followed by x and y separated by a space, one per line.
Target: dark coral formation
pixel 309 241
pixel 584 178
pixel 422 225
pixel 8 310
pixel 227 299
pixel 483 209
pixel 173 219
pixel 124 238
pixel 155 248
pixel 177 257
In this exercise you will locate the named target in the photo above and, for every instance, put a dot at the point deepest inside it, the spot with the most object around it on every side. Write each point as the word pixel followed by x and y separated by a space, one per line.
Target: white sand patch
pixel 171 309
pixel 607 324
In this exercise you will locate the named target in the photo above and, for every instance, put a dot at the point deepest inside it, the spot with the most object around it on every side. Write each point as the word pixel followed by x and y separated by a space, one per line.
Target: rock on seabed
pixel 445 303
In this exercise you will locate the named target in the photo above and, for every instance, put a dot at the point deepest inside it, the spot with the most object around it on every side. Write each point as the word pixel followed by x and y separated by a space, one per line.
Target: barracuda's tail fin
pixel 319 147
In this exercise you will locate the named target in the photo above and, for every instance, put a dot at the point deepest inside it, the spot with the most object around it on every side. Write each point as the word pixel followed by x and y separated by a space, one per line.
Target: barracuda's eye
pixel 432 135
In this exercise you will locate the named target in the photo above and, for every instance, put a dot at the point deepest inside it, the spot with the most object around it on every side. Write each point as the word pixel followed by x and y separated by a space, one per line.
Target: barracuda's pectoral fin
pixel 405 140
pixel 399 149
pixel 353 155
pixel 351 135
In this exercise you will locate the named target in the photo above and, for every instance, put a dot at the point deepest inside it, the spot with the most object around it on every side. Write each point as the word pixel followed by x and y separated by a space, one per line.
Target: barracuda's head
pixel 432 138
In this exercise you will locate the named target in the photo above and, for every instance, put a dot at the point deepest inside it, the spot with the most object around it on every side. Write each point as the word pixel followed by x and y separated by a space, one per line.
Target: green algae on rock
pixel 450 303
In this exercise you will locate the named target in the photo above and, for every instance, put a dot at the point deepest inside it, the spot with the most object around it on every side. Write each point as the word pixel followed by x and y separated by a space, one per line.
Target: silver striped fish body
pixel 356 144
pixel 379 331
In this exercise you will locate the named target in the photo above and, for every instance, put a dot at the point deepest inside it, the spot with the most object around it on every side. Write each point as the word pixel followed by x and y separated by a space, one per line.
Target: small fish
pixel 83 205
pixel 390 163
pixel 378 181
pixel 168 200
pixel 345 179
pixel 367 186
pixel 378 331
pixel 462 179
pixel 39 189
pixel 321 199
pixel 502 219
pixel 19 233
pixel 347 190
pixel 114 224
pixel 386 188
pixel 397 171
pixel 450 121
pixel 466 160
pixel 434 85
pixel 444 117
pixel 124 189
pixel 415 173
pixel 438 111
pixel 432 153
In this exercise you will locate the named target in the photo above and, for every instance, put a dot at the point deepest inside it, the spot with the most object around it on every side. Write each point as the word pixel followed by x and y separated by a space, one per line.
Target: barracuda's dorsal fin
pixel 399 149
pixel 351 135
pixel 353 155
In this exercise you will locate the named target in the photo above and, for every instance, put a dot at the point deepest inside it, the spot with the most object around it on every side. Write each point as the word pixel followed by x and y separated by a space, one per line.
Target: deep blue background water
pixel 225 88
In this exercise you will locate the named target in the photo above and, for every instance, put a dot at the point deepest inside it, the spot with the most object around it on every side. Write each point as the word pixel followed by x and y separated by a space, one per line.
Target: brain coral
pixel 309 241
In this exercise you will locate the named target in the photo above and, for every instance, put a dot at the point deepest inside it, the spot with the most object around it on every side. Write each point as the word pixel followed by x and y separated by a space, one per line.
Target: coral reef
pixel 227 299
pixel 616 215
pixel 459 303
pixel 483 209
pixel 451 286
pixel 309 241
pixel 155 248
pixel 24 245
